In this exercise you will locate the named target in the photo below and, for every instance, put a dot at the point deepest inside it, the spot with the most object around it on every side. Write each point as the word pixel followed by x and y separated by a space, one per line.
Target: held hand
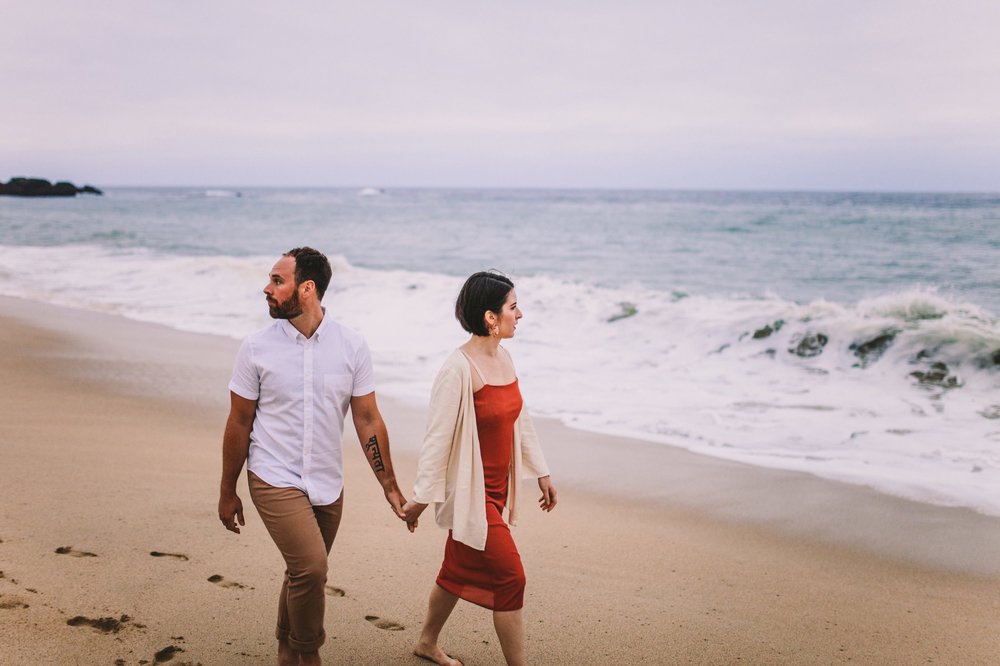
pixel 396 501
pixel 231 510
pixel 411 512
pixel 547 501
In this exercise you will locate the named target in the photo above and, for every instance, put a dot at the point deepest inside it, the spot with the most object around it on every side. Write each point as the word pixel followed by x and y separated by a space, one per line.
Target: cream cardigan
pixel 450 471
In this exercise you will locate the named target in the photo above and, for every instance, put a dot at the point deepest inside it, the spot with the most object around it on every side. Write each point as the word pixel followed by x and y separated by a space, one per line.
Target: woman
pixel 479 444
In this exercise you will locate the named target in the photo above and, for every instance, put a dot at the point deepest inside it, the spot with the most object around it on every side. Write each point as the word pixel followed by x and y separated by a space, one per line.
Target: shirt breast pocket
pixel 338 388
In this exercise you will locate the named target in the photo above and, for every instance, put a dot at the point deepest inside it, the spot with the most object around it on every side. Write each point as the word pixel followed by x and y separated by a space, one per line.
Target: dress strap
pixel 475 367
pixel 509 359
pixel 506 353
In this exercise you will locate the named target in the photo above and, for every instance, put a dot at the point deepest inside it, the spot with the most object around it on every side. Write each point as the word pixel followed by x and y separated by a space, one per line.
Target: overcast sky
pixel 870 95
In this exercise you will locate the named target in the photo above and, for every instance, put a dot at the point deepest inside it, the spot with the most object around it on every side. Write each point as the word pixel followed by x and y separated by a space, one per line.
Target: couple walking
pixel 292 384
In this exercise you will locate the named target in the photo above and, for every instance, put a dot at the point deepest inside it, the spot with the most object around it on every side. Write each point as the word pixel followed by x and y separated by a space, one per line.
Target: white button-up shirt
pixel 303 387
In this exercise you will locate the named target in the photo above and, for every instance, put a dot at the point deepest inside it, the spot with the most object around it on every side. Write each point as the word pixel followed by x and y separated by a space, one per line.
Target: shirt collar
pixel 323 325
pixel 294 334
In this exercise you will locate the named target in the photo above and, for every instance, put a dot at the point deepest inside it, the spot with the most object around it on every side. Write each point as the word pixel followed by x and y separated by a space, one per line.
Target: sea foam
pixel 898 392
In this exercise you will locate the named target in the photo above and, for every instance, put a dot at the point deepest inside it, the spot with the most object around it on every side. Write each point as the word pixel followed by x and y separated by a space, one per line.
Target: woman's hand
pixel 547 501
pixel 411 512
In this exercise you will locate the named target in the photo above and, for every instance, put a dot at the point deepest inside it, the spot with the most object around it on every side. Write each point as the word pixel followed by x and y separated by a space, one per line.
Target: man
pixel 291 386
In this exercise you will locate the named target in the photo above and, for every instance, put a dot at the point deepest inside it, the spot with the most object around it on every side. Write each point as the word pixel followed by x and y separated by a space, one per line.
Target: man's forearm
pixel 235 446
pixel 375 443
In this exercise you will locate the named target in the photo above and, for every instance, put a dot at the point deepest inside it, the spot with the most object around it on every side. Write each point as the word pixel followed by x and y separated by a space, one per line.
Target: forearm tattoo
pixel 372 449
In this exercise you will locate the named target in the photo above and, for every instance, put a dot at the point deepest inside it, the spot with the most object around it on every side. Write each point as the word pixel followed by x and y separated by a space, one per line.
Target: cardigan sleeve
pixel 532 460
pixel 442 419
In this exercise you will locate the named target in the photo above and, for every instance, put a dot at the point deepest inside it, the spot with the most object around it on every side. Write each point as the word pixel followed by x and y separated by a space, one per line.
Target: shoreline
pixel 616 467
pixel 111 435
pixel 706 386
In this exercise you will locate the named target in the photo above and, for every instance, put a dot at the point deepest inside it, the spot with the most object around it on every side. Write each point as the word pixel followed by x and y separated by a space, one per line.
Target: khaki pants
pixel 304 534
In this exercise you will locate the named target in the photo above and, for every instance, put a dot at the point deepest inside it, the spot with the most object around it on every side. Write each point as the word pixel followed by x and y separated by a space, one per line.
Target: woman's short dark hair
pixel 312 265
pixel 483 292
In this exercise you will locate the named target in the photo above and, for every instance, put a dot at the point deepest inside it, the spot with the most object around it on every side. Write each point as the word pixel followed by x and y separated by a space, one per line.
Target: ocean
pixel 854 336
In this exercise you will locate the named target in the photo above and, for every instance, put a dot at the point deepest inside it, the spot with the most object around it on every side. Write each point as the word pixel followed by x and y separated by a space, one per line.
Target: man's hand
pixel 411 512
pixel 396 501
pixel 235 444
pixel 547 501
pixel 399 503
pixel 231 510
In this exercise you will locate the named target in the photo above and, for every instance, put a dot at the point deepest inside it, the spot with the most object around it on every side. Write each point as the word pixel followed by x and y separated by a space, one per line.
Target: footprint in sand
pixel 166 654
pixel 332 591
pixel 384 624
pixel 68 550
pixel 105 625
pixel 222 582
pixel 10 603
pixel 176 556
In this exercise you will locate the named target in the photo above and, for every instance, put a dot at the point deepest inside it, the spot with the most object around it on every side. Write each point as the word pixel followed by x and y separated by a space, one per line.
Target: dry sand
pixel 111 551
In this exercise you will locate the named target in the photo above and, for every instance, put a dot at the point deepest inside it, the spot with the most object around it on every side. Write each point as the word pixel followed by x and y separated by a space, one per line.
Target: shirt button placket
pixel 307 403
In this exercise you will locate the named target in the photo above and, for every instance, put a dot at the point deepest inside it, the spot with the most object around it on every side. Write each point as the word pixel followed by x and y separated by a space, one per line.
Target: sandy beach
pixel 111 551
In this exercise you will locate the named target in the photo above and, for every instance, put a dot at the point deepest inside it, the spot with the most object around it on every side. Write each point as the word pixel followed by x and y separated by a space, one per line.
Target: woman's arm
pixel 442 420
pixel 532 457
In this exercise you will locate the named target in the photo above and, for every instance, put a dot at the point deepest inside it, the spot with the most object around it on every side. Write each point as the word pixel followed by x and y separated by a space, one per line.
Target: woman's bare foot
pixel 435 654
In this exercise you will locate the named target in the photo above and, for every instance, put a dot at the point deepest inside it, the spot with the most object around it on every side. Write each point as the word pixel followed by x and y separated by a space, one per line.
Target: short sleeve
pixel 246 380
pixel 364 373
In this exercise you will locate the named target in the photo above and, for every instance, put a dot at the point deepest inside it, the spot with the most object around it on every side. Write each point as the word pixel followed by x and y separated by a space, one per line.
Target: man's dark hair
pixel 312 265
pixel 483 292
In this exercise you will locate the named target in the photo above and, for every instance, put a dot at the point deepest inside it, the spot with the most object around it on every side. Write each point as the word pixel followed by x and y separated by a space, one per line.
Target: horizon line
pixel 571 188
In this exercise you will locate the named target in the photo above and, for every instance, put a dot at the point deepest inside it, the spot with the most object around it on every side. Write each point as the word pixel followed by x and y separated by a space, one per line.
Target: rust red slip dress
pixel 492 578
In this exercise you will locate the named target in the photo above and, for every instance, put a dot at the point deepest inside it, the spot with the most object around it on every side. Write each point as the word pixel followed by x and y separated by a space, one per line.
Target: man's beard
pixel 290 309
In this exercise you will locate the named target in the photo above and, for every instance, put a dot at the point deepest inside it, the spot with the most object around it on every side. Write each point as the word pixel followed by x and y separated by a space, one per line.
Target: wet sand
pixel 111 551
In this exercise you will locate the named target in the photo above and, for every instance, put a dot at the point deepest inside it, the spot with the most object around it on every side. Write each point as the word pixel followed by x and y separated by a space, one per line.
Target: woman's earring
pixel 495 331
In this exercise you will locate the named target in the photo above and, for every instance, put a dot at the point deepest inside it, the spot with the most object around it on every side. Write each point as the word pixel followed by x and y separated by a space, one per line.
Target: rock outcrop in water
pixel 870 351
pixel 627 310
pixel 39 187
pixel 992 412
pixel 989 361
pixel 936 376
pixel 768 329
pixel 808 345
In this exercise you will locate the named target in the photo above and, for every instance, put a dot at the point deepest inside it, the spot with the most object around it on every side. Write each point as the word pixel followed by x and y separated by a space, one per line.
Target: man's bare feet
pixel 286 655
pixel 289 657
pixel 435 654
pixel 310 658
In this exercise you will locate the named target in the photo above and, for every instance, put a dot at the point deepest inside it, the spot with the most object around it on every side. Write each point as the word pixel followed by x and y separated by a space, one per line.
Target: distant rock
pixel 937 376
pixel 991 412
pixel 768 329
pixel 39 187
pixel 870 351
pixel 989 361
pixel 627 310
pixel 808 345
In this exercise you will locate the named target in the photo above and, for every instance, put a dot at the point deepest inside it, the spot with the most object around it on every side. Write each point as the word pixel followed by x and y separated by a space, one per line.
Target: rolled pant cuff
pixel 299 646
